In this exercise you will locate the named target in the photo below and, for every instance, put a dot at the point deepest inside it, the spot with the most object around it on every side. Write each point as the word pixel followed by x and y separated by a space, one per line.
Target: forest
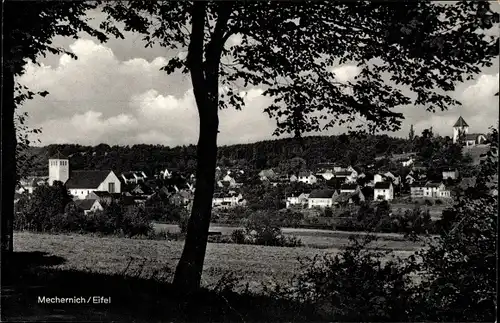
pixel 344 149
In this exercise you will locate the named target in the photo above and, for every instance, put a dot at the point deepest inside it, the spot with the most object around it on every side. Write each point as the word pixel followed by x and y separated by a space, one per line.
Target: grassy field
pixel 136 275
pixel 320 239
pixel 147 258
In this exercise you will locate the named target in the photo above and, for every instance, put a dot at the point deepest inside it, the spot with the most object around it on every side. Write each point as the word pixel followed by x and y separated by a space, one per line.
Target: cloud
pixel 125 99
pixel 99 98
pixel 346 73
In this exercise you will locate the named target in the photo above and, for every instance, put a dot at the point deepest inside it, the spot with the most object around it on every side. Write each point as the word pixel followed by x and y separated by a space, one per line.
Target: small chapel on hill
pixel 461 128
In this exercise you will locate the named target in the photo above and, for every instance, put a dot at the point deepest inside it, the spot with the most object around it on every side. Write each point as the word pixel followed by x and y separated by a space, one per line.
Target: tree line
pixel 343 149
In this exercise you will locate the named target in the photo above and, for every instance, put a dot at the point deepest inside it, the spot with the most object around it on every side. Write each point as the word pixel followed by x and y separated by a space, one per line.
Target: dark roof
pixel 382 185
pixel 85 204
pixel 129 175
pixel 473 136
pixel 321 194
pixel 433 184
pixel 344 173
pixel 86 178
pixel 418 184
pixel 349 187
pixel 102 193
pixel 305 174
pixel 460 123
pixel 58 155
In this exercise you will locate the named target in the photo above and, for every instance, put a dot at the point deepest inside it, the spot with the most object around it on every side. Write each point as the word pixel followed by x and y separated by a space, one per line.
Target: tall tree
pixel 28 30
pixel 289 49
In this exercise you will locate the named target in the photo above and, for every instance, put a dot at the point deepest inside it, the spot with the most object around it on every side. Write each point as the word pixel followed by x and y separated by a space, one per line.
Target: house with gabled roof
pixel 133 177
pixel 383 191
pixel 82 182
pixel 321 198
pixel 89 205
pixel 103 197
pixel 307 177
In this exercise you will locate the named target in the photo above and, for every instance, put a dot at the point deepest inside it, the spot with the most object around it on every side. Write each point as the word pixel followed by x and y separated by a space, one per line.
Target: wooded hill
pixel 345 149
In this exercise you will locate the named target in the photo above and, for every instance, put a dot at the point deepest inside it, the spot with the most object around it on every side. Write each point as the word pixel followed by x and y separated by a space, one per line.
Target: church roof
pixel 89 179
pixel 460 123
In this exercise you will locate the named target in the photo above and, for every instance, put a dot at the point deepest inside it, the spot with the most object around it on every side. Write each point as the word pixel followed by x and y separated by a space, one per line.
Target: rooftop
pixel 87 178
pixel 460 123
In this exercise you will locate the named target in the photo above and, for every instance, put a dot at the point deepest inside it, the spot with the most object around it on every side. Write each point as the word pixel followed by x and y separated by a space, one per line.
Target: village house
pixel 407 162
pixel 383 191
pixel 417 189
pixel 29 184
pixel 226 200
pixel 89 205
pixel 349 188
pixel 306 178
pixel 321 198
pixel 436 190
pixel 267 175
pixel 133 177
pixel 103 197
pixel 327 174
pixel 450 173
pixel 345 199
pixel 297 199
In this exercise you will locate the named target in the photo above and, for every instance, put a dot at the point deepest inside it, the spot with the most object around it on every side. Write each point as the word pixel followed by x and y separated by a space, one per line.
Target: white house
pixel 307 178
pixel 417 190
pixel 29 184
pixel 377 178
pixel 89 205
pixel 327 175
pixel 81 183
pixel 297 199
pixel 436 190
pixel 450 173
pixel 383 191
pixel 133 177
pixel 230 199
pixel 321 198
pixel 407 162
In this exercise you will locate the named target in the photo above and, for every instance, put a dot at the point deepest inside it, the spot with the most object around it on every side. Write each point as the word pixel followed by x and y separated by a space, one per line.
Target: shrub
pixel 438 202
pixel 353 286
pixel 428 202
pixel 238 236
pixel 135 222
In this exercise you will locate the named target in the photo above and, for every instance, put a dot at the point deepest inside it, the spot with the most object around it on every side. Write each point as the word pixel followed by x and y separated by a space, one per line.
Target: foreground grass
pixel 147 258
pixel 136 274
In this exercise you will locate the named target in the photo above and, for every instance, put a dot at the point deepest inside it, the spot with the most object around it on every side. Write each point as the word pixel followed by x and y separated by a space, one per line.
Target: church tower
pixel 460 127
pixel 58 168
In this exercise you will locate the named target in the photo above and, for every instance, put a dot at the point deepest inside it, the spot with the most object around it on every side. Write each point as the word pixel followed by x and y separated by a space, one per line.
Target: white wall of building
pixel 58 170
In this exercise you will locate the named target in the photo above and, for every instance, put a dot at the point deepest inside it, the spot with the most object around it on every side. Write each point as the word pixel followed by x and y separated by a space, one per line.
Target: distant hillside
pixel 265 154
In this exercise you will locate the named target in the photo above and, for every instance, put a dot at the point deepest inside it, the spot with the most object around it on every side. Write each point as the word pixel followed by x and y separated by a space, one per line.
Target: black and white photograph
pixel 249 161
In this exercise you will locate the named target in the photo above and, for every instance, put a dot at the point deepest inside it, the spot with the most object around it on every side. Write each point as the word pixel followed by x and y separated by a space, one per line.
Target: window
pixel 111 187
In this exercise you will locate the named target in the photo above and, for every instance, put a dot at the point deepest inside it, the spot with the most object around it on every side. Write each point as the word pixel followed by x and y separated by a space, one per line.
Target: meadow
pixel 148 258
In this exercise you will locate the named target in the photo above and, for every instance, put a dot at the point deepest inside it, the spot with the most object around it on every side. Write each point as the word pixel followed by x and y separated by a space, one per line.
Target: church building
pixel 83 182
pixel 461 132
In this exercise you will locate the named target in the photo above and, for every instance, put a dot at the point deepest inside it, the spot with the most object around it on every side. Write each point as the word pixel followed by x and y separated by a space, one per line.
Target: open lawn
pixel 147 258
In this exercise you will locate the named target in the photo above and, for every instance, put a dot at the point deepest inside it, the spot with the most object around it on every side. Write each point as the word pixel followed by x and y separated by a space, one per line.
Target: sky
pixel 115 93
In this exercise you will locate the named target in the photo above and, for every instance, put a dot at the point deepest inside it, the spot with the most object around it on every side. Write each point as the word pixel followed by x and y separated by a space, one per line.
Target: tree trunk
pixel 205 79
pixel 8 153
